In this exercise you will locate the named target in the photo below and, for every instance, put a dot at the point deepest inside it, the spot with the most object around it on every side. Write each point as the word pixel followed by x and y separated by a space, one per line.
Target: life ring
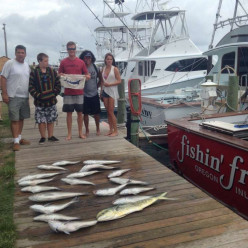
pixel 138 94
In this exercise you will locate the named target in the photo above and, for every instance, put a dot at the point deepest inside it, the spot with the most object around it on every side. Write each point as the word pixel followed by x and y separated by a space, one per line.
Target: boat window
pixel 197 64
pixel 121 66
pixel 146 68
pixel 242 68
pixel 228 59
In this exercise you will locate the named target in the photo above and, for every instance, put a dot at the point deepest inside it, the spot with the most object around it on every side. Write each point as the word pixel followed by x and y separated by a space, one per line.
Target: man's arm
pixel 4 89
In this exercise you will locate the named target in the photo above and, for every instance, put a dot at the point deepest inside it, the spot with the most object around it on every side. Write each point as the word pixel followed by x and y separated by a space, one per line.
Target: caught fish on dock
pixel 49 167
pixel 89 167
pixel 120 211
pixel 53 196
pixel 82 174
pixel 37 189
pixel 65 162
pixel 130 199
pixel 49 209
pixel 39 176
pixel 134 191
pixel 118 173
pixel 74 181
pixel 109 191
pixel 121 180
pixel 101 162
pixel 69 226
pixel 34 182
pixel 48 217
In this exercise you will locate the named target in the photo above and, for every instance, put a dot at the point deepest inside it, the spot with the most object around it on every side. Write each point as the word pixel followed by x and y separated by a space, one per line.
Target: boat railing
pixel 236 20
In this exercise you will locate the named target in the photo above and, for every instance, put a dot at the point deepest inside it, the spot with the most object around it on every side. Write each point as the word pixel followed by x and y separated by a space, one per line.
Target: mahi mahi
pixel 53 196
pixel 101 162
pixel 50 167
pixel 37 189
pixel 88 167
pixel 71 226
pixel 34 182
pixel 74 181
pixel 120 211
pixel 118 173
pixel 121 180
pixel 134 191
pixel 47 217
pixel 39 176
pixel 82 174
pixel 109 191
pixel 65 162
pixel 49 209
pixel 130 199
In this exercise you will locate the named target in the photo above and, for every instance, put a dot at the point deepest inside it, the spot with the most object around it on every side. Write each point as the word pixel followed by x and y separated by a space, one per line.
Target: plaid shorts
pixel 45 114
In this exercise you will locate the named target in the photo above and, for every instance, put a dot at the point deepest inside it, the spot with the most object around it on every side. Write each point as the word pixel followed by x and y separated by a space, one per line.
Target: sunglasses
pixel 71 49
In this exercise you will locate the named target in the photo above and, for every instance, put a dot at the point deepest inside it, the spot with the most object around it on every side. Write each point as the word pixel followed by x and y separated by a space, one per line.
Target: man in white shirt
pixel 15 82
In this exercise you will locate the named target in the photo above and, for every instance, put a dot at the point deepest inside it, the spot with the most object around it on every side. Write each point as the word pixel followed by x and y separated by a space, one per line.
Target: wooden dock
pixel 195 220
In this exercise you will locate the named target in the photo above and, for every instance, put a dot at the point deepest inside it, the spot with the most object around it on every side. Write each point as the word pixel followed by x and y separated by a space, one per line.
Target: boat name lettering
pixel 146 113
pixel 198 155
pixel 212 162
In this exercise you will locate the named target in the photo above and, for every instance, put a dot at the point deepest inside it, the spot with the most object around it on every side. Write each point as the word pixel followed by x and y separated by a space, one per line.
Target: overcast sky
pixel 46 25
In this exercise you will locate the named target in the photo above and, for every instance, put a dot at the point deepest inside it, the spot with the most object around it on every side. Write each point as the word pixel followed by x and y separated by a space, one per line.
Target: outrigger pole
pixel 130 31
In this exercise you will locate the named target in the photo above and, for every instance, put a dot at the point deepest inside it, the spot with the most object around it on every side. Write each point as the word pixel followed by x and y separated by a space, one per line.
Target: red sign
pixel 218 168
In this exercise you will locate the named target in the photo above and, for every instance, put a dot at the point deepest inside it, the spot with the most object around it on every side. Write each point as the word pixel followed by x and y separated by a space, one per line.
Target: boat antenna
pixel 215 24
pixel 130 31
pixel 5 40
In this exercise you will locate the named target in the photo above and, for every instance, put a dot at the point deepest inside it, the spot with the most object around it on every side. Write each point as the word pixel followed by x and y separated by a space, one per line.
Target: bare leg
pixel 86 123
pixel 80 125
pixel 50 127
pixel 15 128
pixel 97 121
pixel 42 129
pixel 112 117
pixel 69 125
pixel 106 104
pixel 0 111
pixel 21 123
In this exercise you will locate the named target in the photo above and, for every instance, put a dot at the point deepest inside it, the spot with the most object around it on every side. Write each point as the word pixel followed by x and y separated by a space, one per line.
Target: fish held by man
pixel 69 226
pixel 34 182
pixel 118 173
pixel 101 162
pixel 89 167
pixel 121 180
pixel 120 211
pixel 74 181
pixel 135 191
pixel 65 162
pixel 47 217
pixel 50 167
pixel 108 191
pixel 37 189
pixel 52 208
pixel 53 196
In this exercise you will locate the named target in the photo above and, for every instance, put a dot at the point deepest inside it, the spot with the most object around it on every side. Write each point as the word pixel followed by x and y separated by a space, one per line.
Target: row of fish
pixel 59 222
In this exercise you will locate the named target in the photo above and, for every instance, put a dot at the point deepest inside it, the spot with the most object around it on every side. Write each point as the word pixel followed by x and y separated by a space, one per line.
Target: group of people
pixel 43 83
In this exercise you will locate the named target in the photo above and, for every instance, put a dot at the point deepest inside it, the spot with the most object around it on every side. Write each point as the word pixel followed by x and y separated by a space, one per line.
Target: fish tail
pixel 162 197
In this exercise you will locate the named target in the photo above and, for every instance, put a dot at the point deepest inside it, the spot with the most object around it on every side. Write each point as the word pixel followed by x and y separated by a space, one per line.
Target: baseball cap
pixel 88 55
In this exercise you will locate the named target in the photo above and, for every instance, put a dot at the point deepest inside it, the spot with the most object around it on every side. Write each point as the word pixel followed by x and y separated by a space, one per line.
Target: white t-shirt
pixel 17 75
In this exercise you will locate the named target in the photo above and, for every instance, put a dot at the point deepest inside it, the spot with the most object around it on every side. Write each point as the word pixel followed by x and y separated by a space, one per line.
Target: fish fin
pixel 75 199
pixel 162 197
pixel 66 232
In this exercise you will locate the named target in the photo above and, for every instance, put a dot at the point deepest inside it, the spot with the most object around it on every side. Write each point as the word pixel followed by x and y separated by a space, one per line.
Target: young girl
pixel 111 78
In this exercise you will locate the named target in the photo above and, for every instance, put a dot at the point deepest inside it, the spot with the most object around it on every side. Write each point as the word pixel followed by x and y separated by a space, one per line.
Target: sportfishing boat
pixel 169 60
pixel 211 151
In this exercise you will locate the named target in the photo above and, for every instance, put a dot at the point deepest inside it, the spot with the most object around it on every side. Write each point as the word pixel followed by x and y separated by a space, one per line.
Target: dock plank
pixel 193 220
